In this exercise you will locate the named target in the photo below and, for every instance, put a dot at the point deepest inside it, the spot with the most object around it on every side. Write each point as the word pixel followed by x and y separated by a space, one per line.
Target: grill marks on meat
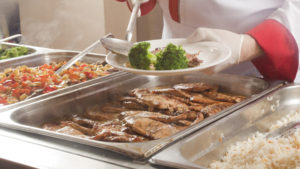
pixel 155 116
pixel 150 128
pixel 215 108
pixel 224 97
pixel 163 102
pixel 116 133
pixel 195 87
pixel 148 113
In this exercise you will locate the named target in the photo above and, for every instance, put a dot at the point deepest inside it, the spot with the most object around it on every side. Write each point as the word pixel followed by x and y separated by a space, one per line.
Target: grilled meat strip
pixel 89 123
pixel 195 87
pixel 150 128
pixel 164 103
pixel 133 103
pixel 101 116
pixel 155 116
pixel 65 129
pixel 223 97
pixel 84 130
pixel 148 113
pixel 215 108
pixel 200 98
pixel 116 133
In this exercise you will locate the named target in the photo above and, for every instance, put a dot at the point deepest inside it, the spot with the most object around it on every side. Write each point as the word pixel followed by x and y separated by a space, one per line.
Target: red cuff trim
pixel 174 10
pixel 145 7
pixel 281 51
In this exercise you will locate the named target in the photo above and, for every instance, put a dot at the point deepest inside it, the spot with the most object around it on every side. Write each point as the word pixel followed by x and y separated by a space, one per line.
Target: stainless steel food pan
pixel 204 146
pixel 30 117
pixel 48 57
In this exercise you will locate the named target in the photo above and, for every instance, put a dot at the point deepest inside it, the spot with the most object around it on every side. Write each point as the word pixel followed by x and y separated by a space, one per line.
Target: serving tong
pixel 285 130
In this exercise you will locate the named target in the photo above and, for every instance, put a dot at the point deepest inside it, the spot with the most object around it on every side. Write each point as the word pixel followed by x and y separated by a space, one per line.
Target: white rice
pixel 259 152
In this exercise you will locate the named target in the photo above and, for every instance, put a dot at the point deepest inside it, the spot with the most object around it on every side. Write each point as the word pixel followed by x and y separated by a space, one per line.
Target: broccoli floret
pixel 140 57
pixel 171 58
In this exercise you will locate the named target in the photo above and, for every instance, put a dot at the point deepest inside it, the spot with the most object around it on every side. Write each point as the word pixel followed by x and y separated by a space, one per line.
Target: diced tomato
pixel 51 72
pixel 55 80
pixel 12 76
pixel 24 84
pixel 46 66
pixel 11 83
pixel 89 75
pixel 15 85
pixel 24 77
pixel 3 100
pixel 18 92
pixel 49 89
pixel 2 88
pixel 3 80
pixel 74 76
pixel 83 65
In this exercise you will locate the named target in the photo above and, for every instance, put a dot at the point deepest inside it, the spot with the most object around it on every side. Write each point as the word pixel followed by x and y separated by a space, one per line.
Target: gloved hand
pixel 239 44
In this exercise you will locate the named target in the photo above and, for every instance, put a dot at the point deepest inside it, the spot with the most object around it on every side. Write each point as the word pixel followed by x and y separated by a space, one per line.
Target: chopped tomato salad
pixel 20 83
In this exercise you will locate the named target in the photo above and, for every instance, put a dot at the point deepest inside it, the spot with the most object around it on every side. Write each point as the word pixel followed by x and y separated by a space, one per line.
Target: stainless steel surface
pixel 116 46
pixel 30 117
pixel 204 146
pixel 48 57
pixel 78 57
pixel 16 36
pixel 44 152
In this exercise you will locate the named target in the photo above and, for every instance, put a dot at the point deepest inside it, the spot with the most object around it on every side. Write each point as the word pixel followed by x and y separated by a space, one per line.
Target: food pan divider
pixel 48 57
pixel 201 148
pixel 31 116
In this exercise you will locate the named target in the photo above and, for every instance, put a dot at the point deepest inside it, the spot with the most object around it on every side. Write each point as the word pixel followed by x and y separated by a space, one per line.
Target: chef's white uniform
pixel 272 23
pixel 238 16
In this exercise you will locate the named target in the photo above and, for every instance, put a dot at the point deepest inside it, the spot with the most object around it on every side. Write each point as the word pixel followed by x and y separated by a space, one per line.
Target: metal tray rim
pixel 174 148
pixel 163 142
pixel 59 91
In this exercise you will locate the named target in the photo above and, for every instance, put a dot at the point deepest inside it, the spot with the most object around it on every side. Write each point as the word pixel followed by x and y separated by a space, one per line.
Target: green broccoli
pixel 171 58
pixel 140 57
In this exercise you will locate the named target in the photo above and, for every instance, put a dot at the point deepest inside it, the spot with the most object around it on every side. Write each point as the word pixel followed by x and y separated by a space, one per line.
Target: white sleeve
pixel 289 15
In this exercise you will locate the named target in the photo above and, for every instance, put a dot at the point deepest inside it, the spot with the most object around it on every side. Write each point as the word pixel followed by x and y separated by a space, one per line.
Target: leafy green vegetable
pixel 140 57
pixel 171 58
pixel 13 52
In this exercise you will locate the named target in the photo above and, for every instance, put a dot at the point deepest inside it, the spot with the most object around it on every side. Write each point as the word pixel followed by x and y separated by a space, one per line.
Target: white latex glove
pixel 233 40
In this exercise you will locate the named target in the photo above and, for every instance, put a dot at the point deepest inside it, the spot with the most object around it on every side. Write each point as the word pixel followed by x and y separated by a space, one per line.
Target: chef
pixel 263 34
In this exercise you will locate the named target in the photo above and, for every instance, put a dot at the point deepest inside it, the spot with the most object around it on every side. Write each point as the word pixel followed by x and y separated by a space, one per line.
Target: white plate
pixel 211 53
